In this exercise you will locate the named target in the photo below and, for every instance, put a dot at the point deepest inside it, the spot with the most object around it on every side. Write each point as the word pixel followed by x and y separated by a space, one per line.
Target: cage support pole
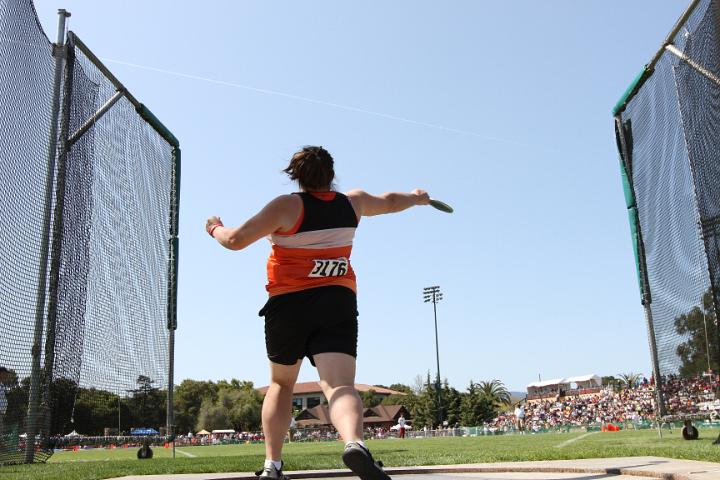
pixel 36 351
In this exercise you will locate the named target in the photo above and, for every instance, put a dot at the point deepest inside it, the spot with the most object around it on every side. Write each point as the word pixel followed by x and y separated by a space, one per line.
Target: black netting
pixel 700 106
pixel 119 179
pixel 88 353
pixel 671 130
pixel 26 99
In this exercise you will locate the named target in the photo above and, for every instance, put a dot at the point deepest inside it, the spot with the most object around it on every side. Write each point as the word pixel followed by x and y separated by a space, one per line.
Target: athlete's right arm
pixel 280 213
pixel 367 205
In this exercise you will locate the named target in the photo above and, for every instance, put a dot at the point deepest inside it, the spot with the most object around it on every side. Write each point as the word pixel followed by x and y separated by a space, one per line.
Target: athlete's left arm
pixel 271 218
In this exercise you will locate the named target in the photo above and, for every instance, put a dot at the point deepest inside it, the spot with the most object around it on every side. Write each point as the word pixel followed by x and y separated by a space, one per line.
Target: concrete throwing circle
pixel 508 476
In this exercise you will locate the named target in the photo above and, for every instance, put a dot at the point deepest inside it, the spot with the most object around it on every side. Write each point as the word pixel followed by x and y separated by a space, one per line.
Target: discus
pixel 442 206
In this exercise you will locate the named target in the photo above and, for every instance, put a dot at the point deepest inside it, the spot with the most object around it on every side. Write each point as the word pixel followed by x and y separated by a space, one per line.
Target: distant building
pixel 309 394
pixel 381 416
pixel 572 386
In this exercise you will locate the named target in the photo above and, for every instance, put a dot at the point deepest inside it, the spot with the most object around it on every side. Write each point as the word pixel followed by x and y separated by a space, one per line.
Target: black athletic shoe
pixel 358 459
pixel 271 473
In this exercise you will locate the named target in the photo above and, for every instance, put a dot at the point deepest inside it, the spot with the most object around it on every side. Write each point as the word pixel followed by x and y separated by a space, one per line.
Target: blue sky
pixel 501 109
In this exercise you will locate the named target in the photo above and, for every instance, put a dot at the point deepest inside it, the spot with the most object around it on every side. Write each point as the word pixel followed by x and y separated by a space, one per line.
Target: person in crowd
pixel 520 418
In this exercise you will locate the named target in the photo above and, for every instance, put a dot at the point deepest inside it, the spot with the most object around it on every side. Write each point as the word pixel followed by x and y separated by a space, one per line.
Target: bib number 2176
pixel 329 267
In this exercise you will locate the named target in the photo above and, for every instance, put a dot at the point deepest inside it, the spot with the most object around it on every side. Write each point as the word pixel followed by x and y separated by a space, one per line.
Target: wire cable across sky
pixel 349 108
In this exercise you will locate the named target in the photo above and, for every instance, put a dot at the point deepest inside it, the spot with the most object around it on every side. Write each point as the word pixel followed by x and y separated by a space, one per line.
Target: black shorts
pixel 308 322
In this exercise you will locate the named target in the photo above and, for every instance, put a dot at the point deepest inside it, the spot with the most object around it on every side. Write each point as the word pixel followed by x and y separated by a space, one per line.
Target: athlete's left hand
pixel 422 197
pixel 211 222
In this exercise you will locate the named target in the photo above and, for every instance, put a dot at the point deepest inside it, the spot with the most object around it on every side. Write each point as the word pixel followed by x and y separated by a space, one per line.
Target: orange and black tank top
pixel 316 251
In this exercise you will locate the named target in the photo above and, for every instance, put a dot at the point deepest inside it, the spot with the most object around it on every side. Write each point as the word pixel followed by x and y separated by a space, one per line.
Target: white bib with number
pixel 329 267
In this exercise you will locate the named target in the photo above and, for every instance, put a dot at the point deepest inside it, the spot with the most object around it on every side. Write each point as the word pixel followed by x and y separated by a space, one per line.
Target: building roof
pixel 585 378
pixel 566 381
pixel 320 415
pixel 314 387
pixel 547 383
pixel 384 413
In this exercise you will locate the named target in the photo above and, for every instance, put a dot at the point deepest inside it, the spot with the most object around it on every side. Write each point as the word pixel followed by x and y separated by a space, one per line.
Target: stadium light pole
pixel 433 294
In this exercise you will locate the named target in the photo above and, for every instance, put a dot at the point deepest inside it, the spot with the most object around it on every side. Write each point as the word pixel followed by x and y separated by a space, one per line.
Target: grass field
pixel 99 464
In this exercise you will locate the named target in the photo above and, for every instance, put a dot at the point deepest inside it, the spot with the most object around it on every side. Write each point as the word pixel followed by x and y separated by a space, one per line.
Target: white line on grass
pixel 185 453
pixel 573 440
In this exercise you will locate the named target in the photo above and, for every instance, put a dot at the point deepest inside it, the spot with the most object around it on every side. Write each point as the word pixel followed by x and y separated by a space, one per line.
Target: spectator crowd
pixel 632 405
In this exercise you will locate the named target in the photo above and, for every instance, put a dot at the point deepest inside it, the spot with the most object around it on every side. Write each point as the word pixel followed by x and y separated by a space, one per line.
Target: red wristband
pixel 214 227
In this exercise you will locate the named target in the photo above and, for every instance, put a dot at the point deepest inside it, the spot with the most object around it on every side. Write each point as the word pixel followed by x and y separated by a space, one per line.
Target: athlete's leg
pixel 337 380
pixel 277 407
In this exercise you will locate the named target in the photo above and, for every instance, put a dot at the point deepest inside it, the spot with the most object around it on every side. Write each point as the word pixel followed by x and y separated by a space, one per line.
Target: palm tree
pixel 629 380
pixel 495 392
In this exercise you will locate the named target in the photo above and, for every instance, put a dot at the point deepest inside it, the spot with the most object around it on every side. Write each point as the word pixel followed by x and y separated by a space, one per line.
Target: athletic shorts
pixel 305 323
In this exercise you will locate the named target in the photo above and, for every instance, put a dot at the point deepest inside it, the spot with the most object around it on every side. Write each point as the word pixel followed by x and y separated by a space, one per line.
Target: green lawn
pixel 99 464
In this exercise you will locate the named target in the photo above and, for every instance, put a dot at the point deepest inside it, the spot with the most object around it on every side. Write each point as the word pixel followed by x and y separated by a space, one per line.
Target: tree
pixel 63 392
pixel 245 414
pixel 147 403
pixel 495 393
pixel 694 351
pixel 612 382
pixel 629 380
pixel 370 399
pixel 237 406
pixel 214 414
pixel 188 398
pixel 425 413
pixel 97 409
pixel 418 385
pixel 408 400
pixel 476 408
pixel 18 393
pixel 399 387
pixel 452 404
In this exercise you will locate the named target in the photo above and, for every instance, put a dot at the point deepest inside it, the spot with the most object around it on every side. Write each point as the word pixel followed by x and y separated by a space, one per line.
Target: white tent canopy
pixel 548 383
pixel 591 378
pixel 397 427
pixel 586 378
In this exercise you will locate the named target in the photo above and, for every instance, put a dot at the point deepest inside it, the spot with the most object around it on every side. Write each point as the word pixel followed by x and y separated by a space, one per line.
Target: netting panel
pixel 94 221
pixel 700 106
pixel 113 276
pixel 664 192
pixel 26 92
pixel 128 248
pixel 672 127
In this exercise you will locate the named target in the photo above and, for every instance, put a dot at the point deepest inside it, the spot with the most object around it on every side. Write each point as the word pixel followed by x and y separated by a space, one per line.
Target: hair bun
pixel 312 167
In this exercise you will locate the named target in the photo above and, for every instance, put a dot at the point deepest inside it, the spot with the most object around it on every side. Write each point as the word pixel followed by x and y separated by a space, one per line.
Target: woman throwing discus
pixel 312 307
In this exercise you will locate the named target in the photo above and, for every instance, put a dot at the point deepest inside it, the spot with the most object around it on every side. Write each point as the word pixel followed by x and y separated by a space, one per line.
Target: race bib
pixel 329 267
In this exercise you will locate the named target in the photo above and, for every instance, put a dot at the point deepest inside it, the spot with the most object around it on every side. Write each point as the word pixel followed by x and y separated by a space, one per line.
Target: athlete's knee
pixel 281 384
pixel 333 393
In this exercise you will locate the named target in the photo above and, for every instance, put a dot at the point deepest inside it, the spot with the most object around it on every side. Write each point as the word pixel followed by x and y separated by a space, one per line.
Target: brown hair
pixel 312 167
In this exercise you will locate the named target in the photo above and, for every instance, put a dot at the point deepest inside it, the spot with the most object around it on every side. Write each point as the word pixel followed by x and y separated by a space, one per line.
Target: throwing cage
pixel 88 264
pixel 668 134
